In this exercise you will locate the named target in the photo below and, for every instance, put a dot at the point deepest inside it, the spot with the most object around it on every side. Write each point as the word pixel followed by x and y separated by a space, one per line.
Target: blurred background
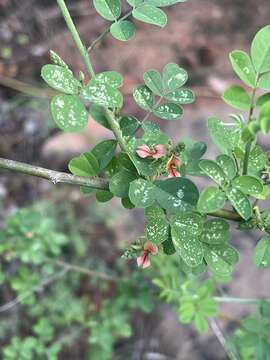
pixel 199 36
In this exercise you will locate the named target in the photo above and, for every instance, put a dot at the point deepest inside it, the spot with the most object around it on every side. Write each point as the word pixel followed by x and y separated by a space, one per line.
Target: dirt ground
pixel 199 37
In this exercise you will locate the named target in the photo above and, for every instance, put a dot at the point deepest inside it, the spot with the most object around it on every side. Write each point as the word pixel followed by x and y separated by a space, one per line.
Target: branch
pixel 53 176
pixel 226 214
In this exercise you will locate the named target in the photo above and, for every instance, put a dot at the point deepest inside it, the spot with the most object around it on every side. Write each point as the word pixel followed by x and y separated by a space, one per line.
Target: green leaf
pixel 261 255
pixel 173 77
pixel 127 204
pixel 262 100
pixel 211 199
pixel 153 81
pixel 213 170
pixel 185 232
pixel 57 60
pixel 143 97
pixel 264 81
pixel 215 232
pixel 168 246
pixel 168 111
pixel 265 125
pixel 111 78
pixel 120 183
pixel 60 79
pixel 84 165
pixel 98 114
pixel 237 97
pixel 227 139
pixel 108 9
pixel 240 202
pixel 220 258
pixel 157 229
pixel 228 165
pixel 181 96
pixel 243 67
pixel 103 196
pixel 248 185
pixel 176 195
pixel 104 152
pixel 260 50
pixel 103 95
pixel 69 113
pixel 142 193
pixel 150 14
pixel 191 156
pixel 135 2
pixel 201 323
pixel 129 125
pixel 123 30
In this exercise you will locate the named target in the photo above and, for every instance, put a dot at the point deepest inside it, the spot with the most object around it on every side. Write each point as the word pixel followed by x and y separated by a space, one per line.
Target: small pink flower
pixel 172 166
pixel 144 151
pixel 160 151
pixel 148 249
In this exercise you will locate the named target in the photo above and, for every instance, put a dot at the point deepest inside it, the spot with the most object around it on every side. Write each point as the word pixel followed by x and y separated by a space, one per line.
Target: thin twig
pixel 54 176
pixel 222 340
pixel 22 297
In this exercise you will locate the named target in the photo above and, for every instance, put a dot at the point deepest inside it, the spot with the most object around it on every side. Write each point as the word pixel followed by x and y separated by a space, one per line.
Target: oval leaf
pixel 260 50
pixel 211 199
pixel 228 165
pixel 153 81
pixel 84 165
pixel 123 30
pixel 143 97
pixel 261 255
pixel 168 111
pixel 181 96
pixel 237 97
pixel 215 232
pixel 120 182
pixel 111 78
pixel 103 95
pixel 150 14
pixel 142 193
pixel 69 113
pixel 240 202
pixel 108 9
pixel 213 170
pixel 221 258
pixel 60 78
pixel 243 67
pixel 248 185
pixel 173 77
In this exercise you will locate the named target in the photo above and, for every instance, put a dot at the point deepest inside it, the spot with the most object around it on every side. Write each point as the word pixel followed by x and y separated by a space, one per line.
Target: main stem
pixel 76 37
pixel 88 64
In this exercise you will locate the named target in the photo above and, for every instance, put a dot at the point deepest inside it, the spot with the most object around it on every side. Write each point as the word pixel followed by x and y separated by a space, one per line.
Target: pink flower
pixel 144 151
pixel 148 249
pixel 172 166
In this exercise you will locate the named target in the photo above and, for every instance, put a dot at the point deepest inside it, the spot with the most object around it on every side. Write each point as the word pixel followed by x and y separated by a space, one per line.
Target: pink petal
pixel 174 173
pixel 160 150
pixel 143 261
pixel 151 248
pixel 144 151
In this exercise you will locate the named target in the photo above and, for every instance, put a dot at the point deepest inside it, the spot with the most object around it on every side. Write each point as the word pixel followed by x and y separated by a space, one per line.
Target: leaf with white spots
pixel 142 193
pixel 173 77
pixel 129 125
pixel 84 165
pixel 108 9
pixel 157 229
pixel 111 78
pixel 220 258
pixel 228 165
pixel 191 156
pixel 240 202
pixel 123 30
pixel 213 170
pixel 57 60
pixel 120 183
pixel 153 81
pixel 185 237
pixel 102 94
pixel 211 199
pixel 150 15
pixel 144 97
pixel 60 78
pixel 215 232
pixel 242 65
pixel 181 96
pixel 69 113
pixel 248 185
pixel 168 111
pixel 176 195
pixel 261 255
pixel 161 3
